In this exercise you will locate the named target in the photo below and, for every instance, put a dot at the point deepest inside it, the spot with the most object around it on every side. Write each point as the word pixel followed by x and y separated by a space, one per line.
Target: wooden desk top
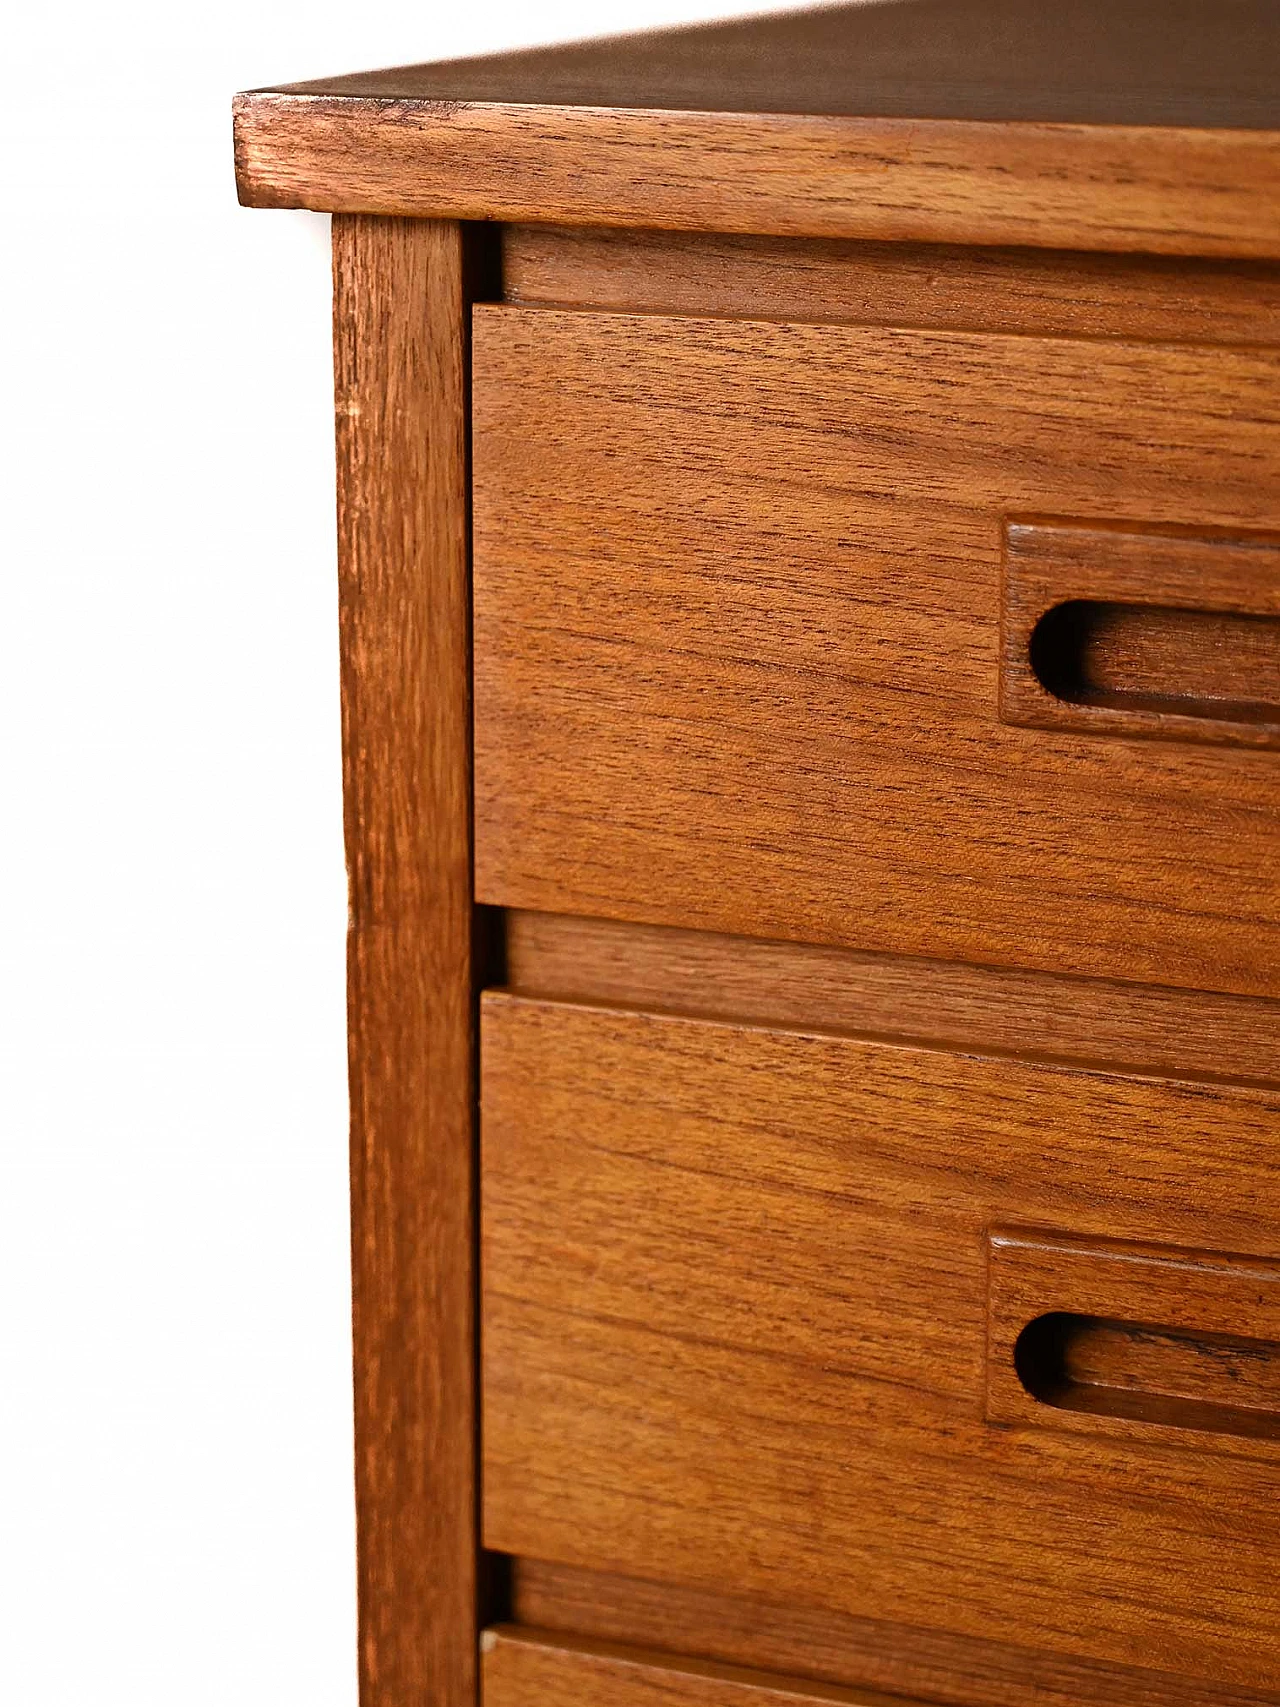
pixel 1201 63
pixel 1109 124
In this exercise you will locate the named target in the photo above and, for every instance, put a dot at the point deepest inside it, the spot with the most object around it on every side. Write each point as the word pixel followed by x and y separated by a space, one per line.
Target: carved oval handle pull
pixel 1110 631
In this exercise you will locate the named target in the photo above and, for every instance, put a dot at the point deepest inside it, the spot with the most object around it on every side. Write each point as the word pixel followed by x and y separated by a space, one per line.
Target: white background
pixel 176 1520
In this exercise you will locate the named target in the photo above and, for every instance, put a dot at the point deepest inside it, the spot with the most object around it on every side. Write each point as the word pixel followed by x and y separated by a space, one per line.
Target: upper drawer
pixel 738 639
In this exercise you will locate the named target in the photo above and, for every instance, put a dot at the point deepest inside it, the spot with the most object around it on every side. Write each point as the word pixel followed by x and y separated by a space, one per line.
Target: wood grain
pixel 1141 634
pixel 399 327
pixel 523 1667
pixel 1187 62
pixel 1176 192
pixel 954 1670
pixel 737 602
pixel 1036 292
pixel 735 1313
pixel 1084 1020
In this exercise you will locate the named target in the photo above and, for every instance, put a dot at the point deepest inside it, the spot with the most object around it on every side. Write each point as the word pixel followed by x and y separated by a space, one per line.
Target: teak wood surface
pixel 1182 64
pixel 399 345
pixel 1085 1021
pixel 735 1336
pixel 737 639
pixel 1110 125
pixel 801 1641
pixel 1040 292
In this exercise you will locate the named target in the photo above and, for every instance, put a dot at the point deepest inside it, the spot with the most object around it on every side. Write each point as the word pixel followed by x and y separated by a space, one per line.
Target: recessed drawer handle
pixel 1147 658
pixel 1222 1383
pixel 1094 1333
pixel 1122 632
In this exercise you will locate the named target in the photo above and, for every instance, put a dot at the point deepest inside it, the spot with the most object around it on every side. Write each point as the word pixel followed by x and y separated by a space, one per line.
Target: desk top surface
pixel 1127 62
pixel 1051 89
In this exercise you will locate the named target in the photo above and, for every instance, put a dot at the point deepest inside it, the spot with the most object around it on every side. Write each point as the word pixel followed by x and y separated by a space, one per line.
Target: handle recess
pixel 1112 631
pixel 1221 1383
pixel 1089 1333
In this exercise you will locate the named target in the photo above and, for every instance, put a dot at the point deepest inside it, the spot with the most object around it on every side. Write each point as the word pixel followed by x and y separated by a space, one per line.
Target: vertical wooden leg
pixel 400 366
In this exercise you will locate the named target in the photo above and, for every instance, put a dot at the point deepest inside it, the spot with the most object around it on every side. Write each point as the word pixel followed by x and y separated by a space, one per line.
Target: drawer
pixel 739 596
pixel 520 1669
pixel 970 1343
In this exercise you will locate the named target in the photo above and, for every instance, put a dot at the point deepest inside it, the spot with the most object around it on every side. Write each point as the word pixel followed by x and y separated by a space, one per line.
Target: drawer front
pixel 738 601
pixel 753 1319
pixel 525 1669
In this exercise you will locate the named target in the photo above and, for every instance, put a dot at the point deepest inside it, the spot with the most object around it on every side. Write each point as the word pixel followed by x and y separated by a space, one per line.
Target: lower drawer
pixel 885 1330
pixel 523 1670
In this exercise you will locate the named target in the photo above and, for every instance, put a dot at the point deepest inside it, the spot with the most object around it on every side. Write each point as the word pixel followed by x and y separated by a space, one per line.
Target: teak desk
pixel 809 500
